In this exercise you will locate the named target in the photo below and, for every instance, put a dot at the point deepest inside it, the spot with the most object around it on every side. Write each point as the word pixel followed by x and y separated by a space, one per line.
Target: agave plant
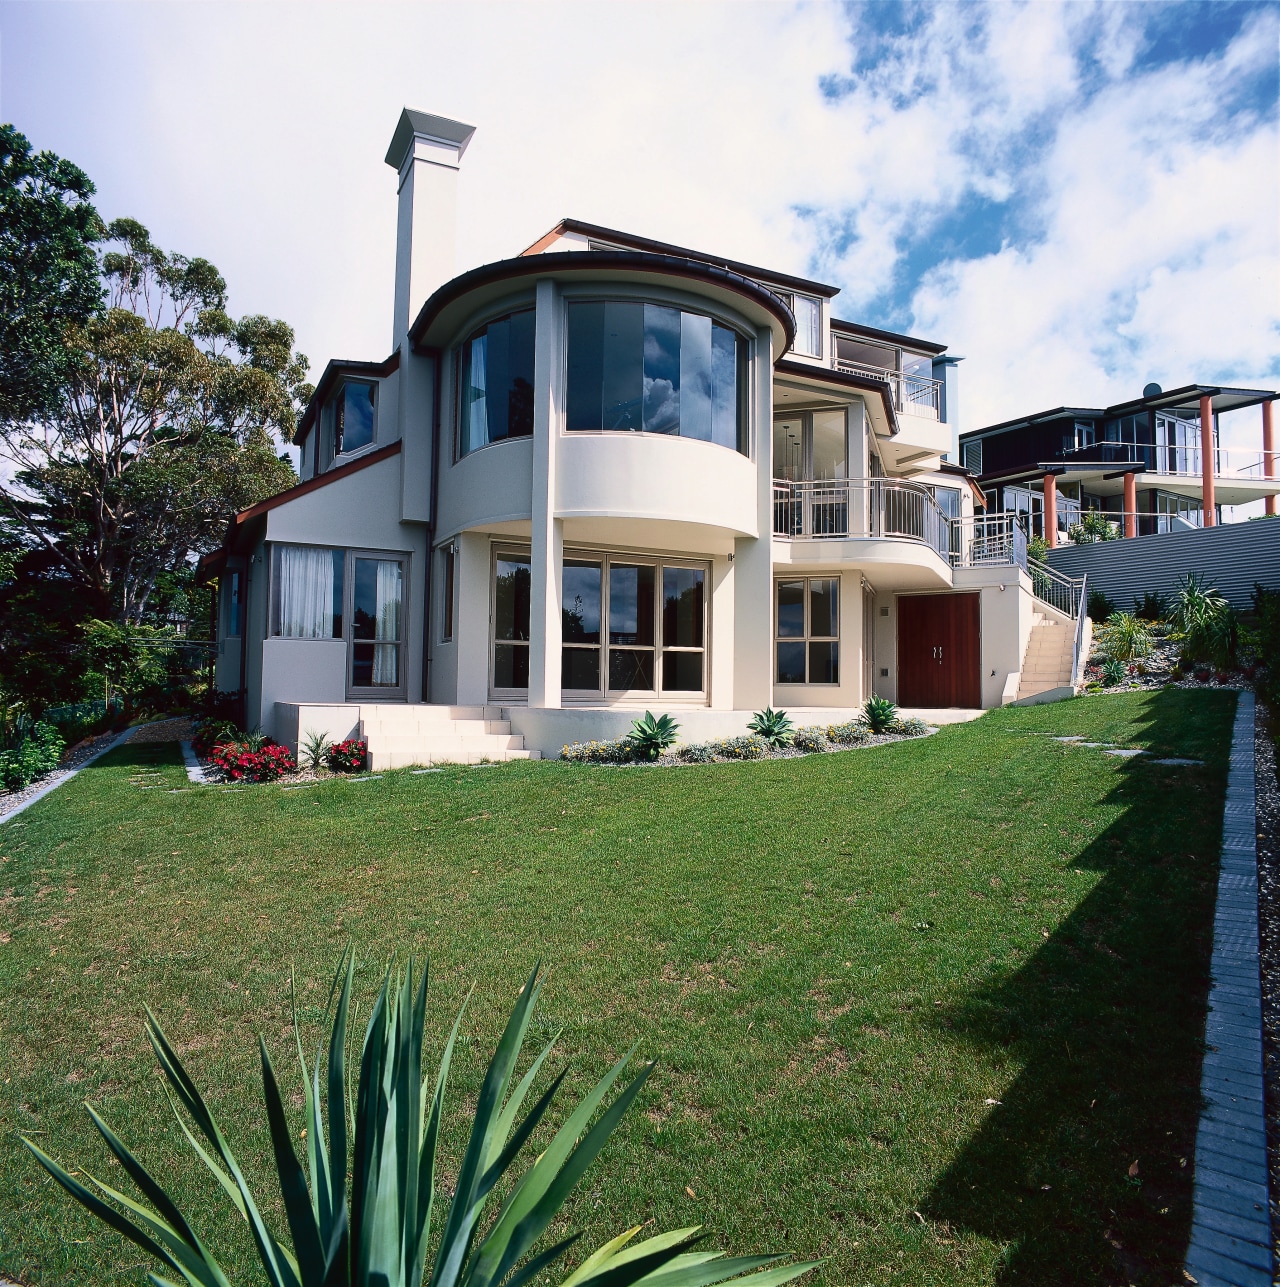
pixel 650 736
pixel 880 713
pixel 372 1227
pixel 1207 621
pixel 314 749
pixel 774 726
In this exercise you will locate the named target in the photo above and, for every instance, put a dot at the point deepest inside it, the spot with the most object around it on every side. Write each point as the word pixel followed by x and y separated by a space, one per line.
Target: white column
pixel 547 559
pixel 753 556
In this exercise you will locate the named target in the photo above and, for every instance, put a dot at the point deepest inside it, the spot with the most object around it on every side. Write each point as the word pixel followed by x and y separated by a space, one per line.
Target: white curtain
pixel 305 576
pixel 387 625
pixel 477 401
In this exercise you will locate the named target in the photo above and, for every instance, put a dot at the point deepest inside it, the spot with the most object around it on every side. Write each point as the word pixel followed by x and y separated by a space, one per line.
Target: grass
pixel 933 1011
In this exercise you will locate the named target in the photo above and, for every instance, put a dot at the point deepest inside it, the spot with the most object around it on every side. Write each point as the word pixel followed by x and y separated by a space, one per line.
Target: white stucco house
pixel 606 475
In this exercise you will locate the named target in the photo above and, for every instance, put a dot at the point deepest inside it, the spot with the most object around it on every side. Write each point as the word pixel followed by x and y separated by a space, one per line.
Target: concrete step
pixel 407 759
pixel 441 744
pixel 426 711
pixel 410 726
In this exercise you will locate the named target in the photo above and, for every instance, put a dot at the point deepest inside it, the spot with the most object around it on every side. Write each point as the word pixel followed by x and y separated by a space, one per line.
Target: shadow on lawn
pixel 1107 1020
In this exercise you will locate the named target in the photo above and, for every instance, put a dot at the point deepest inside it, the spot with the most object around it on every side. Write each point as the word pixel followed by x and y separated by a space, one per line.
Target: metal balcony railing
pixel 1164 458
pixel 917 395
pixel 874 508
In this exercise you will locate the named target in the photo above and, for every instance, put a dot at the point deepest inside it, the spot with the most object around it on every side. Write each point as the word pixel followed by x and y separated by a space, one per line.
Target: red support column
pixel 1207 460
pixel 1268 458
pixel 1131 505
pixel 1050 510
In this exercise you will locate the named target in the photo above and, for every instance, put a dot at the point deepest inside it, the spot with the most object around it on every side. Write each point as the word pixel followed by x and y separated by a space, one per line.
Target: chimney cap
pixel 414 124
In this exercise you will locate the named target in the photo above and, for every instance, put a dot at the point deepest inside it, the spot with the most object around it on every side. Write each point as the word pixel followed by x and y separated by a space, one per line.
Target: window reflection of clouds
pixel 581 602
pixel 655 368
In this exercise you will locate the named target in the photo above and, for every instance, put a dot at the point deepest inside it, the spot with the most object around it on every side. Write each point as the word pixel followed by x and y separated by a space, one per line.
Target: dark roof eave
pixel 845 379
pixel 560 263
pixel 890 337
pixel 649 246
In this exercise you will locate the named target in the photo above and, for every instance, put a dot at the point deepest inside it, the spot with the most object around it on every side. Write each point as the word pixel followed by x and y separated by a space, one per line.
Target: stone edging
pixel 1230 1219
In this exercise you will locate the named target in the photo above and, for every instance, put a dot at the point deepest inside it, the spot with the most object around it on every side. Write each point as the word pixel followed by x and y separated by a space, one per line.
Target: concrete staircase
pixel 1046 668
pixel 402 735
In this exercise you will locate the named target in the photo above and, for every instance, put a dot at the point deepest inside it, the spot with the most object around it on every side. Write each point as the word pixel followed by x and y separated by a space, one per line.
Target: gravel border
pixel 13 803
pixel 1231 1229
pixel 1268 829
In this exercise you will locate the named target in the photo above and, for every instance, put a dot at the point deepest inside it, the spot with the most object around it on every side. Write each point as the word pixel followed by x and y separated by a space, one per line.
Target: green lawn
pixel 841 961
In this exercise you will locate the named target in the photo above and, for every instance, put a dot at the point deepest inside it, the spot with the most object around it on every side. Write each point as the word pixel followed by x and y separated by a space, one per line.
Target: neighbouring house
pixel 1151 465
pixel 610 474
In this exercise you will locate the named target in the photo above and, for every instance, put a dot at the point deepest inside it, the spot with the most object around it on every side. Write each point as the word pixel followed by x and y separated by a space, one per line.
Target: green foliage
pixel 774 726
pixel 1207 623
pixel 38 753
pixel 810 740
pixel 1038 549
pixel 850 733
pixel 1113 672
pixel 313 751
pixel 1124 637
pixel 1153 606
pixel 913 727
pixel 48 272
pixel 602 752
pixel 1266 638
pixel 167 421
pixel 133 660
pixel 1100 607
pixel 650 736
pixel 1093 527
pixel 879 713
pixel 215 732
pixel 374 1226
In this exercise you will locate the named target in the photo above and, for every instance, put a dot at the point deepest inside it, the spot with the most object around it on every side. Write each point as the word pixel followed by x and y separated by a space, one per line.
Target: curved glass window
pixel 496 379
pixel 656 369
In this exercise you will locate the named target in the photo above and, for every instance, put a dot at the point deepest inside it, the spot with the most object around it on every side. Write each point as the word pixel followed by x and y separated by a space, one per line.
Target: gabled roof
pixel 629 241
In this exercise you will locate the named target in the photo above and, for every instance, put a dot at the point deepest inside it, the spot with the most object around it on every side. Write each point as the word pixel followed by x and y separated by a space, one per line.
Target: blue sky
pixel 1078 197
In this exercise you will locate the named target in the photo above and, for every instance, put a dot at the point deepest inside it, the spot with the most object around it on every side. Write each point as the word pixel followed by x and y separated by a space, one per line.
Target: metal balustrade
pixel 878 508
pixel 1169 458
pixel 915 394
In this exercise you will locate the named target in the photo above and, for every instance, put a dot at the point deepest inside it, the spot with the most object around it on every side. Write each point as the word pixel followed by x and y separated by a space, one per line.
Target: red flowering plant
pixel 348 756
pixel 240 762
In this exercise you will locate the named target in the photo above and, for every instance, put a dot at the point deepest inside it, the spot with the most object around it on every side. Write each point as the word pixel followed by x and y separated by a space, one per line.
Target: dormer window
pixel 808 315
pixel 354 416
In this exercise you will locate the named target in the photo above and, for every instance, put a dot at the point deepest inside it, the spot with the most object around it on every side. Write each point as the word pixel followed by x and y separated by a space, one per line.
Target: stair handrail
pixel 1079 643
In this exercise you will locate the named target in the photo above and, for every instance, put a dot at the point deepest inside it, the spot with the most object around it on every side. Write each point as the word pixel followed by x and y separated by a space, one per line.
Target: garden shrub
pixel 239 762
pixel 1124 637
pixel 38 753
pixel 879 713
pixel 747 746
pixel 347 756
pixel 696 753
pixel 1100 607
pixel 774 726
pixel 810 740
pixel 1113 672
pixel 913 727
pixel 650 736
pixel 1207 622
pixel 211 732
pixel 1152 607
pixel 603 752
pixel 850 733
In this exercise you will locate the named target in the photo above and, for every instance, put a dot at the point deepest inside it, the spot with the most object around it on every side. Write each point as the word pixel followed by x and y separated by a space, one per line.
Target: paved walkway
pixel 1230 1222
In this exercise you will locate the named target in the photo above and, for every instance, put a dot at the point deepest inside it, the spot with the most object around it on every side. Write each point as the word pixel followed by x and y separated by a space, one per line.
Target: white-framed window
pixel 808 314
pixel 807 630
pixel 306 591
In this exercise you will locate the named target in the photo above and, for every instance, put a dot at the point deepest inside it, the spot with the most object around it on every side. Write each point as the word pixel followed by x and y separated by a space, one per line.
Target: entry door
pixel 938 650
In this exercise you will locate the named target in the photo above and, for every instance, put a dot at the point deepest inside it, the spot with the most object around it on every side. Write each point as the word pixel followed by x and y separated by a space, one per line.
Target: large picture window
pixel 497 383
pixel 651 368
pixel 807 642
pixel 628 625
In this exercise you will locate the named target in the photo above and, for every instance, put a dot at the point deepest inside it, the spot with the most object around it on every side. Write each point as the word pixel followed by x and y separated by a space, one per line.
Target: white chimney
pixel 426 152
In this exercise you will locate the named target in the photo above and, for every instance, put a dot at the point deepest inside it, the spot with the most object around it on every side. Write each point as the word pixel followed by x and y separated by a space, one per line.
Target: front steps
pixel 1047 667
pixel 399 736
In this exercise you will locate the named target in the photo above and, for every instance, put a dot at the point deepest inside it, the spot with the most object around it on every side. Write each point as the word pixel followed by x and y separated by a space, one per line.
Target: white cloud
pixel 1145 241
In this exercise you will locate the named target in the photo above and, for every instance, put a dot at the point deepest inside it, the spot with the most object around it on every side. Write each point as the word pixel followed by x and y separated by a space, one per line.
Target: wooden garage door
pixel 939 662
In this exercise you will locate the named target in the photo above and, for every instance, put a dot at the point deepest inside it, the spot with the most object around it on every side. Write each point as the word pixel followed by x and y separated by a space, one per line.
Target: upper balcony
pixel 913 394
pixel 1166 458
